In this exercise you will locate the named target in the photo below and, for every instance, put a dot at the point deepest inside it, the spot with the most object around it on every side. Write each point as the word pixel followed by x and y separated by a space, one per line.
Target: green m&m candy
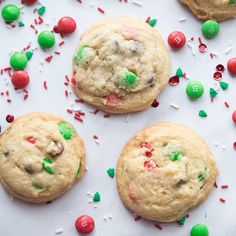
pixel 18 61
pixel 128 79
pixel 46 39
pixel 199 230
pixel 210 29
pixel 194 89
pixel 10 12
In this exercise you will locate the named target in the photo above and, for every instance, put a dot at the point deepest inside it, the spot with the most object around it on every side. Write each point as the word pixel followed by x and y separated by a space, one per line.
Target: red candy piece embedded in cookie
pixel 84 224
pixel 112 100
pixel 20 79
pixel 150 165
pixel 66 25
pixel 176 40
pixel 31 140
pixel 231 66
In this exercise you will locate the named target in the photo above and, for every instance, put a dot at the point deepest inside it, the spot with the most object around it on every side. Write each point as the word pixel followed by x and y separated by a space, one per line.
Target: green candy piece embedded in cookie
pixel 83 54
pixel 175 156
pixel 47 166
pixel 65 130
pixel 128 79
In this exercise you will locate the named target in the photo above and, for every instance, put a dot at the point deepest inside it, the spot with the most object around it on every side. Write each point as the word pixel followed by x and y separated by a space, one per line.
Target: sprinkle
pixel 10 118
pixel 179 72
pixel 174 80
pixel 158 226
pixel 148 19
pixel 46 166
pixel 223 148
pixel 224 85
pixel 49 58
pixel 61 43
pixel 31 140
pixel 59 231
pixel 175 156
pixel 136 217
pixel 96 197
pixel 226 104
pixel 41 10
pixel 45 85
pixel 200 177
pixel 69 111
pixel 106 115
pixel 224 186
pixel 127 118
pixel 222 200
pixel 174 106
pixel 139 4
pixel 228 50
pixel 182 19
pixel 213 92
pixel 66 93
pixel 29 54
pixel 96 139
pixel 155 103
pixel 21 24
pixel 215 184
pixel 101 10
pixel 234 146
pixel 182 220
pixel 217 75
pixel 152 22
pixel 111 172
pixel 202 113
pixel 220 68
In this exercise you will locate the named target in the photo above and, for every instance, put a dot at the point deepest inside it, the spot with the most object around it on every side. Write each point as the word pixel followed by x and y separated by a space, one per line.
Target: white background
pixel 22 219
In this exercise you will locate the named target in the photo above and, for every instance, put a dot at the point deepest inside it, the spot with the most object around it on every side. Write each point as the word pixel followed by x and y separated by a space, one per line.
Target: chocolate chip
pixel 6 153
pixel 116 46
pixel 181 182
pixel 150 81
pixel 55 148
pixel 29 169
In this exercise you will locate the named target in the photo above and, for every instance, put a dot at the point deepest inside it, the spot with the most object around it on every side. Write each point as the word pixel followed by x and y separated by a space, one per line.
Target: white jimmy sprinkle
pixel 104 218
pixel 137 3
pixel 174 106
pixel 95 206
pixel 223 148
pixel 183 19
pixel 228 50
pixel 192 46
pixel 127 118
pixel 109 217
pixel 216 144
pixel 59 231
pixel 90 201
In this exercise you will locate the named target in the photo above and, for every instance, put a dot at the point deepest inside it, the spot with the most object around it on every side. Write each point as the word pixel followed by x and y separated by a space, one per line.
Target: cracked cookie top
pixel 164 171
pixel 121 65
pixel 41 157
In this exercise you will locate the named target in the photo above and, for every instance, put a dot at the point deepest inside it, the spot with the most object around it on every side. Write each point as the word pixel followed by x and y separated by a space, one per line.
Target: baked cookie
pixel 212 9
pixel 121 65
pixel 41 157
pixel 164 171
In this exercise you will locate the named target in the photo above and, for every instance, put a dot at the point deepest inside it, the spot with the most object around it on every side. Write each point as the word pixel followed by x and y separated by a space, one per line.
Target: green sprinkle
pixel 78 171
pixel 175 156
pixel 96 197
pixel 65 130
pixel 179 72
pixel 200 177
pixel 41 10
pixel 37 186
pixel 213 92
pixel 202 113
pixel 182 220
pixel 21 24
pixel 152 22
pixel 46 166
pixel 111 172
pixel 224 85
pixel 29 55
pixel 232 1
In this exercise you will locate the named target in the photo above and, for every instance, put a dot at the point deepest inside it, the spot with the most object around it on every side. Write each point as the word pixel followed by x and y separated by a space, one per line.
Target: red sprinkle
pixel 96 111
pixel 174 80
pixel 158 226
pixel 226 104
pixel 106 115
pixel 101 10
pixel 61 43
pixel 155 103
pixel 217 76
pixel 66 93
pixel 222 199
pixel 69 111
pixel 215 184
pixel 224 186
pixel 79 100
pixel 148 19
pixel 148 154
pixel 220 68
pixel 49 58
pixel 45 85
pixel 136 218
pixel 10 118
pixel 234 146
pixel 146 145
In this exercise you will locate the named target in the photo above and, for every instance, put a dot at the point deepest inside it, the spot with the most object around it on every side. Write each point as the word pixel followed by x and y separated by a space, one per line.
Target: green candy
pixel 79 54
pixel 199 230
pixel 194 89
pixel 46 165
pixel 83 54
pixel 65 130
pixel 18 61
pixel 210 29
pixel 130 78
pixel 10 12
pixel 46 39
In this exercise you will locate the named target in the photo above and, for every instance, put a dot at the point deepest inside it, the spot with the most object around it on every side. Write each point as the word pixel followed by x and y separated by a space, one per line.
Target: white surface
pixel 21 219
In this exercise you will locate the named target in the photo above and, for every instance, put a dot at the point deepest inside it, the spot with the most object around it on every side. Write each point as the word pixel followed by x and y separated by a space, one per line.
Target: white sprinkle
pixel 95 206
pixel 41 62
pixel 90 201
pixel 139 4
pixel 223 148
pixel 215 54
pixel 216 144
pixel 109 217
pixel 97 141
pixel 228 50
pixel 105 218
pixel 89 193
pixel 59 231
pixel 191 45
pixel 75 109
pixel 174 106
pixel 127 118
pixel 183 19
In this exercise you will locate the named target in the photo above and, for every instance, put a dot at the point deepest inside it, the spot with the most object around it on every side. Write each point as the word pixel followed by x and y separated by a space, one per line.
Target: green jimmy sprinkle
pixel 65 130
pixel 47 166
pixel 200 177
pixel 96 197
pixel 175 155
pixel 78 170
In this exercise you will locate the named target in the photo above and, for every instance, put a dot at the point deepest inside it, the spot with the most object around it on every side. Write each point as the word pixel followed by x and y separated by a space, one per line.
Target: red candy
pixel 66 25
pixel 231 66
pixel 20 79
pixel 84 224
pixel 176 40
pixel 234 116
pixel 29 2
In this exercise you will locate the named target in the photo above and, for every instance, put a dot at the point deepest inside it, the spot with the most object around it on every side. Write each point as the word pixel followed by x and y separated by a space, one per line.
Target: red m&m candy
pixel 234 116
pixel 20 79
pixel 84 224
pixel 176 40
pixel 231 66
pixel 29 2
pixel 66 25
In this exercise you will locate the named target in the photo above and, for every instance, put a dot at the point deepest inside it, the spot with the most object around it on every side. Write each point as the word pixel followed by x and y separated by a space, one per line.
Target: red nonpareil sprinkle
pixel 215 184
pixel 10 118
pixel 226 104
pixel 158 226
pixel 224 186
pixel 106 115
pixel 155 103
pixel 66 93
pixel 148 19
pixel 101 10
pixel 31 140
pixel 222 199
pixel 61 43
pixel 202 48
pixel 220 68
pixel 49 58
pixel 136 218
pixel 45 85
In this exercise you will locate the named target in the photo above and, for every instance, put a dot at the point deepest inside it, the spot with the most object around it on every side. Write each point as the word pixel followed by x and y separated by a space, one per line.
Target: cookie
pixel 121 65
pixel 41 157
pixel 164 171
pixel 212 9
